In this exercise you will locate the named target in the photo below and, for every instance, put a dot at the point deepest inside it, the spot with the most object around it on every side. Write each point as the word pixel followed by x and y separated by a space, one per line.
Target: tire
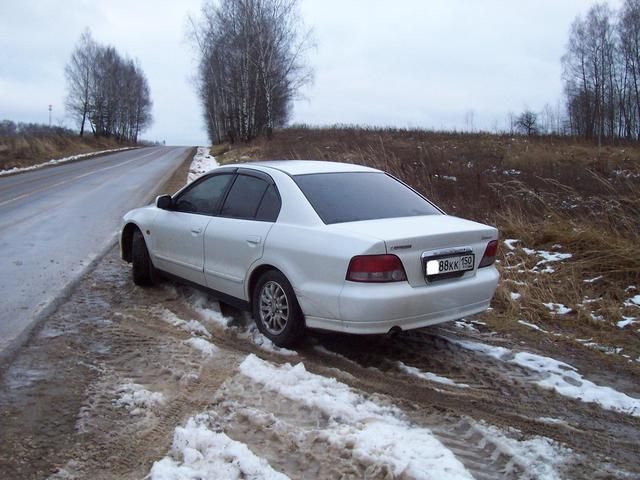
pixel 276 310
pixel 143 270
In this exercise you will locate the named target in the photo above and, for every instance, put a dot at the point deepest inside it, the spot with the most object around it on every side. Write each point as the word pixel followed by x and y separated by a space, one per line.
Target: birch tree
pixel 78 73
pixel 252 64
pixel 108 91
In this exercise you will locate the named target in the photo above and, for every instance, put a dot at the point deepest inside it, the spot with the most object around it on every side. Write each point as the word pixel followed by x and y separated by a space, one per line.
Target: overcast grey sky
pixel 407 63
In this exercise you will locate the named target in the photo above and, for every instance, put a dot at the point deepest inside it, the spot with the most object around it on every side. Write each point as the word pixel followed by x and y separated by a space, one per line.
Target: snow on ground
pixel 199 452
pixel 594 279
pixel 602 348
pixel 376 433
pixel 561 377
pixel 515 296
pixel 510 243
pixel 627 321
pixel 210 310
pixel 192 326
pixel 207 348
pixel 254 335
pixel 207 308
pixel 547 257
pixel 533 326
pixel 539 456
pixel 557 308
pixel 432 377
pixel 60 160
pixel 135 398
pixel 633 301
pixel 470 325
pixel 201 164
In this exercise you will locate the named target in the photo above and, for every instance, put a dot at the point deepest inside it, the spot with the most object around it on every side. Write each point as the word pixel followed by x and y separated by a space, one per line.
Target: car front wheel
pixel 276 310
pixel 143 270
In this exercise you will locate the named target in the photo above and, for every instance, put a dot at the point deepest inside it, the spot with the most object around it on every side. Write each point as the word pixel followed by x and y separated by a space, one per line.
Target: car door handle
pixel 254 239
pixel 196 230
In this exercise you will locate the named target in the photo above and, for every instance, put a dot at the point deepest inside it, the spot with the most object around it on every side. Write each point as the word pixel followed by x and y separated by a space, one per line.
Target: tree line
pixel 251 66
pixel 601 73
pixel 9 128
pixel 108 92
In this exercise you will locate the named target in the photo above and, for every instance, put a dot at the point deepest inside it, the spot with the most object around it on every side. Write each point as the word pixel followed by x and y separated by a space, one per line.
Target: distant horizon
pixel 443 65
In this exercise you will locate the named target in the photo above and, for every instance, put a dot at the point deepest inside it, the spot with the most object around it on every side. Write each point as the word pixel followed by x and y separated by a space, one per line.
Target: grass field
pixel 27 150
pixel 570 211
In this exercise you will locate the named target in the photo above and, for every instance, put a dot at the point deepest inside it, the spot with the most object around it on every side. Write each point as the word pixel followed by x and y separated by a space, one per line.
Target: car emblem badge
pixel 401 247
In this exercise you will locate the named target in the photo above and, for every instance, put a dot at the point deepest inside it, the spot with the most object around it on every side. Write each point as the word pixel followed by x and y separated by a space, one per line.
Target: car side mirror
pixel 164 202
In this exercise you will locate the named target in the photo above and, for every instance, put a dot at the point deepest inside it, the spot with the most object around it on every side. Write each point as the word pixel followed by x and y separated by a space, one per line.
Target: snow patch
pixel 259 340
pixel 626 321
pixel 205 347
pixel 208 309
pixel 594 279
pixel 192 326
pixel 515 296
pixel 532 325
pixel 199 452
pixel 539 456
pixel 633 301
pixel 375 432
pixel 547 257
pixel 382 434
pixel 135 398
pixel 201 164
pixel 60 160
pixel 560 377
pixel 557 308
pixel 510 243
pixel 432 377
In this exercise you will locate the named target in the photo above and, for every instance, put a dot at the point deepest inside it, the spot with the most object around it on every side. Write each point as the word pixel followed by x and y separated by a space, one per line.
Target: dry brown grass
pixel 24 151
pixel 545 192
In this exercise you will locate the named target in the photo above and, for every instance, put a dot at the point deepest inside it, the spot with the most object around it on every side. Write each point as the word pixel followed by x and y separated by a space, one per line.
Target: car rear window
pixel 353 196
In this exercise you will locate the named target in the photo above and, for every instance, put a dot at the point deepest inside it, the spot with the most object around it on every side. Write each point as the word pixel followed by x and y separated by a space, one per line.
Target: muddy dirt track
pixel 59 414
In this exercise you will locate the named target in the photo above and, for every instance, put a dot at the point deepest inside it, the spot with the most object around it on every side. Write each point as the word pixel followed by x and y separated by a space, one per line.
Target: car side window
pixel 244 197
pixel 270 205
pixel 205 196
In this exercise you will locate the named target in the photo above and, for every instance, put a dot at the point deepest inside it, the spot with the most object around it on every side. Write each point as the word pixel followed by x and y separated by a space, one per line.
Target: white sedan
pixel 324 245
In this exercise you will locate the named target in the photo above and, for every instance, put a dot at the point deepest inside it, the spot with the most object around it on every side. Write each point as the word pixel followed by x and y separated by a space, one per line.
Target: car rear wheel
pixel 143 270
pixel 276 310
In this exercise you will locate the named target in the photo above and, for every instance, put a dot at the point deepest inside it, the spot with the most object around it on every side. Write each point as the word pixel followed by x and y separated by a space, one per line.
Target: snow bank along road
pixel 55 221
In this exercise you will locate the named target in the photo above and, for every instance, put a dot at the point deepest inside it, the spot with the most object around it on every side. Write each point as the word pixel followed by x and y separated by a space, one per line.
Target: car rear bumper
pixel 377 308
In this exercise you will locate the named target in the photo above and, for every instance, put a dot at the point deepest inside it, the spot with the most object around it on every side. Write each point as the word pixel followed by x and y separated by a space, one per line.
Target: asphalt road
pixel 55 221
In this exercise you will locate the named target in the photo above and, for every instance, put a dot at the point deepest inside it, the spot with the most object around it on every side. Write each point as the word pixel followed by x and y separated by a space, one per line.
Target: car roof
pixel 305 167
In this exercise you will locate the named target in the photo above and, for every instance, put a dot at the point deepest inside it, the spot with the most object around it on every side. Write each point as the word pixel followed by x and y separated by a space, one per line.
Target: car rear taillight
pixel 489 254
pixel 376 269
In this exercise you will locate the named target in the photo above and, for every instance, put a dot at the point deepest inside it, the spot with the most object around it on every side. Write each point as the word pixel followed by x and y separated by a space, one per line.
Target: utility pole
pixel 50 107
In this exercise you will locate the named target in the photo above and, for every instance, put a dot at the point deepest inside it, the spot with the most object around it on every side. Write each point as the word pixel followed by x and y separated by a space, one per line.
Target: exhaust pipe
pixel 394 332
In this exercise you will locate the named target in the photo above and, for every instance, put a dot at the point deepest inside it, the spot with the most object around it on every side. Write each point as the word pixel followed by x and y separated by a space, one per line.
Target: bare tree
pixel 527 122
pixel 601 71
pixel 251 65
pixel 79 75
pixel 108 91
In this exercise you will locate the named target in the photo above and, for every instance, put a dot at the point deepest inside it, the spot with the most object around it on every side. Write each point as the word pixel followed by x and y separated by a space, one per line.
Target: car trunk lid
pixel 432 236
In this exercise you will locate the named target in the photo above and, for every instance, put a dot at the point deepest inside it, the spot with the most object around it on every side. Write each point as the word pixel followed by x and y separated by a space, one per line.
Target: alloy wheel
pixel 274 308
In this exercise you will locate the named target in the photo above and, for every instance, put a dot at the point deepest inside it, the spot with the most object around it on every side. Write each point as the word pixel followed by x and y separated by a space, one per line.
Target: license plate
pixel 449 264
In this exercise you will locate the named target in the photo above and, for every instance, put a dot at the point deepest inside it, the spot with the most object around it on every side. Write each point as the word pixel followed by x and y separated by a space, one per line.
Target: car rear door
pixel 235 239
pixel 178 234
